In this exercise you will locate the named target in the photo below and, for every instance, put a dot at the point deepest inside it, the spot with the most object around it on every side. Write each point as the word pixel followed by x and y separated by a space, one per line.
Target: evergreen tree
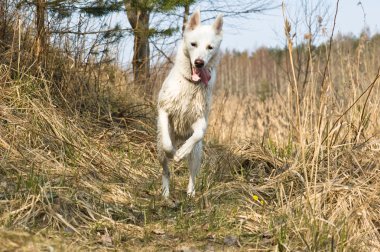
pixel 138 13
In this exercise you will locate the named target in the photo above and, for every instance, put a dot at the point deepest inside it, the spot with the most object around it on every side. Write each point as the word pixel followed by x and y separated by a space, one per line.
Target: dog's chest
pixel 186 105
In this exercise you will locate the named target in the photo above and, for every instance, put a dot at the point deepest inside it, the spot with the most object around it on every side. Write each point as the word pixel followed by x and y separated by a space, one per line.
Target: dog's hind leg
pixel 164 148
pixel 165 172
pixel 194 160
pixel 165 178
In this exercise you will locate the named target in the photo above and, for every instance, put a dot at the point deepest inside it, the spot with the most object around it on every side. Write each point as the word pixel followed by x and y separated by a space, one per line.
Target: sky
pixel 267 29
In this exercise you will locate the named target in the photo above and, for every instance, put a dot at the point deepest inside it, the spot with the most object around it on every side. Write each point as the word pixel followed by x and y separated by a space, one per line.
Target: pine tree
pixel 138 13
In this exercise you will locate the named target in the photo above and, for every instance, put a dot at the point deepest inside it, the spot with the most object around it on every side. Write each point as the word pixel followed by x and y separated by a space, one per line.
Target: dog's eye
pixel 209 47
pixel 193 44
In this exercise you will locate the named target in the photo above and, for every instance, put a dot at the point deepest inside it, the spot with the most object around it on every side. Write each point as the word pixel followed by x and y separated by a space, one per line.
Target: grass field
pixel 291 163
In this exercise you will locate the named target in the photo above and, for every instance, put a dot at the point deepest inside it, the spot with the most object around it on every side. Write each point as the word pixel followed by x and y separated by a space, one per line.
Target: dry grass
pixel 79 180
pixel 67 171
pixel 72 182
pixel 317 186
pixel 78 170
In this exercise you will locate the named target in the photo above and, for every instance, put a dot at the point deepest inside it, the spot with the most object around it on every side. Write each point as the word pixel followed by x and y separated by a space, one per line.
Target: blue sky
pixel 267 29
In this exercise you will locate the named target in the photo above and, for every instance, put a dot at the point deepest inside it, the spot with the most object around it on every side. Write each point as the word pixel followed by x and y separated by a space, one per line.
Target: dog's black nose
pixel 199 63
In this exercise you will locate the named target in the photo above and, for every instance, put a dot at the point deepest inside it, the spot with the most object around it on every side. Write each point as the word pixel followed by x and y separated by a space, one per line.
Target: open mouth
pixel 200 74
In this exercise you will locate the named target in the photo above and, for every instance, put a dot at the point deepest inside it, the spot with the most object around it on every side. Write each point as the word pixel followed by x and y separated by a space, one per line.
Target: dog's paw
pixel 180 154
pixel 171 203
pixel 169 149
pixel 177 157
pixel 191 194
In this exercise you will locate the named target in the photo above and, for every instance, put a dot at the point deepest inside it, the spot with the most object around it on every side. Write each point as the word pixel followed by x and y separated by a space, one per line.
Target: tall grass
pixel 263 89
pixel 290 163
pixel 69 162
pixel 319 123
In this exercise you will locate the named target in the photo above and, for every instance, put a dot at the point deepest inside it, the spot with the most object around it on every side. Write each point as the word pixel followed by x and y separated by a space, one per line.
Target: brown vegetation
pixel 78 168
pixel 257 87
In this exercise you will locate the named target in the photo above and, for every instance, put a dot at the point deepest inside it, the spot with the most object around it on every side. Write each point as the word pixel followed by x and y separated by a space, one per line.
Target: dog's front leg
pixel 165 144
pixel 163 128
pixel 199 129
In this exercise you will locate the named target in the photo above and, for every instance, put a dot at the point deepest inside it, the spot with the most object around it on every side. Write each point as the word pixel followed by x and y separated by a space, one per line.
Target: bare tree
pixel 3 19
pixel 41 29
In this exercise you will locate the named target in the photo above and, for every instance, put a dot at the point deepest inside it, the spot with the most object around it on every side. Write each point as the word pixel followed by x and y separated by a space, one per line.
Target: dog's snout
pixel 199 63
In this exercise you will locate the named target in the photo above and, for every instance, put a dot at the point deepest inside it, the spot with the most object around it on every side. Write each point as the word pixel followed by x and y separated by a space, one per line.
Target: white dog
pixel 185 98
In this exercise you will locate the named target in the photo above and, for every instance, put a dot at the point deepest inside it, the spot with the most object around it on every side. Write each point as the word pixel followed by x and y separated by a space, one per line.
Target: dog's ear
pixel 194 21
pixel 218 24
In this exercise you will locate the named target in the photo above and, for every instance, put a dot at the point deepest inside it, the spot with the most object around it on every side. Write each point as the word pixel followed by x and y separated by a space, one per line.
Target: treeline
pixel 267 70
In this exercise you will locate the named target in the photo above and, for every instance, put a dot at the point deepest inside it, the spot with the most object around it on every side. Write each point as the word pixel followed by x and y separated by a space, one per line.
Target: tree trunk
pixel 3 21
pixel 41 30
pixel 186 13
pixel 138 17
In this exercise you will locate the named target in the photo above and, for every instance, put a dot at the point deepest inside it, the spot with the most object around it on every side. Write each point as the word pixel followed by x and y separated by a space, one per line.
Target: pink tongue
pixel 202 74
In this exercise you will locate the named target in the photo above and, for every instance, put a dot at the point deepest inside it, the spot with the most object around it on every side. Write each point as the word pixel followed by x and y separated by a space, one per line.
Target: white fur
pixel 183 105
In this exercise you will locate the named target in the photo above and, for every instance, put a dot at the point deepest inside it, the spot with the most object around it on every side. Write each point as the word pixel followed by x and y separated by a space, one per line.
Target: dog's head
pixel 202 42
